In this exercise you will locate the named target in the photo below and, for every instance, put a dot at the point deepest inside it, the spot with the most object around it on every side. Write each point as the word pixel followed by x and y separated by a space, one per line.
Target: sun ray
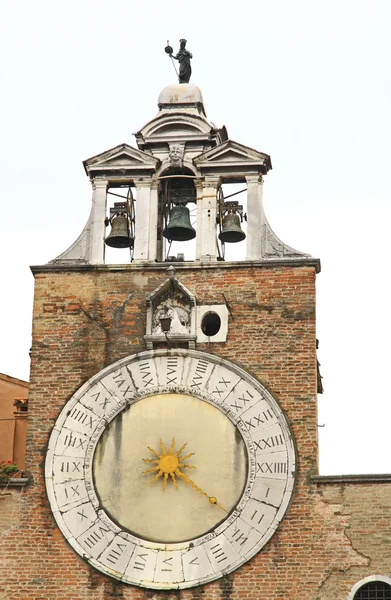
pixel 151 460
pixel 153 451
pixel 152 469
pixel 181 449
pixel 156 478
pixel 165 477
pixel 174 480
pixel 163 448
pixel 184 466
pixel 185 457
pixel 171 450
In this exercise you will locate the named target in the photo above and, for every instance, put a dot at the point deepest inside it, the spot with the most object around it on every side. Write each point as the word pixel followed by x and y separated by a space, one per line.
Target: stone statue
pixel 183 57
pixel 179 315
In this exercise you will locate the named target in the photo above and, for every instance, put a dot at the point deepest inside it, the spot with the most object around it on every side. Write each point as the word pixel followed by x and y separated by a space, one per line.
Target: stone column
pixel 206 219
pixel 98 227
pixel 255 217
pixel 142 224
pixel 153 250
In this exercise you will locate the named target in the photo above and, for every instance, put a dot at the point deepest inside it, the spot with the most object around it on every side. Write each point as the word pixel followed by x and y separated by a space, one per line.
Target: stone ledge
pixel 17 482
pixel 182 266
pixel 366 478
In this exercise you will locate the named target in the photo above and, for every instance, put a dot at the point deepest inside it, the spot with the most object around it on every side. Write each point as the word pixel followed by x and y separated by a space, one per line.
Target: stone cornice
pixel 182 266
pixel 366 478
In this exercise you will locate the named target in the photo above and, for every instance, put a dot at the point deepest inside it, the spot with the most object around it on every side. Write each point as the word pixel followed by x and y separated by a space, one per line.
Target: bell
pixel 179 228
pixel 231 231
pixel 119 236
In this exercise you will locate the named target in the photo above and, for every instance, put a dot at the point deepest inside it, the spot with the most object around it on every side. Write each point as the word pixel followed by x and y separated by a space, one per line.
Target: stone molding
pixel 338 479
pixel 271 263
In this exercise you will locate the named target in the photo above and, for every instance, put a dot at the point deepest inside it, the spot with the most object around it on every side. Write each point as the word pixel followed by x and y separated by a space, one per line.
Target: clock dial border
pixel 118 553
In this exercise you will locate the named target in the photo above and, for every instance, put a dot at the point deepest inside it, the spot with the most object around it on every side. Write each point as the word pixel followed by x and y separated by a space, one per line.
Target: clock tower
pixel 173 395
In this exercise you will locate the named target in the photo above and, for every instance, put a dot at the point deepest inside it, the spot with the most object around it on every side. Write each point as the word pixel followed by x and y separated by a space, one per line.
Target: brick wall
pixel 85 320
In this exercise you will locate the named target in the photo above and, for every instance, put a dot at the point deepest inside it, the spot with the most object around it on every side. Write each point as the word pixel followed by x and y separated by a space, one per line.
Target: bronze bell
pixel 231 231
pixel 119 236
pixel 179 228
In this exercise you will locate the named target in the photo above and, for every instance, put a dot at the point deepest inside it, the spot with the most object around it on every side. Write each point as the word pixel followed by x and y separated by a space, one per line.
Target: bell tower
pixel 178 386
pixel 176 175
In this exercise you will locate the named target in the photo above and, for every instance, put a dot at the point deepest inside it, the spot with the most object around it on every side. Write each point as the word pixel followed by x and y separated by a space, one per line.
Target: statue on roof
pixel 183 57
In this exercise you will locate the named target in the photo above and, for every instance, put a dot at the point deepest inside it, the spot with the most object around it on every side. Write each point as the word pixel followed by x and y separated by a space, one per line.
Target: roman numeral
pixel 270 442
pixel 239 537
pixel 74 491
pixel 194 562
pixel 273 467
pixel 172 365
pixel 260 419
pixel 145 369
pixel 82 417
pixel 218 553
pixel 120 379
pixel 95 537
pixel 70 466
pixel 140 562
pixel 115 553
pixel 221 391
pixel 167 562
pixel 74 441
pixel 243 399
pixel 105 401
pixel 256 517
pixel 82 515
pixel 200 371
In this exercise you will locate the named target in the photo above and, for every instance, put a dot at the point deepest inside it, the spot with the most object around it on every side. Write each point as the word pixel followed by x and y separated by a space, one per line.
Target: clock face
pixel 162 448
pixel 169 469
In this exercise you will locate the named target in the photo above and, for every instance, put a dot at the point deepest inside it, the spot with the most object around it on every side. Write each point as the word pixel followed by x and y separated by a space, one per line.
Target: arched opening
pixel 177 215
pixel 374 590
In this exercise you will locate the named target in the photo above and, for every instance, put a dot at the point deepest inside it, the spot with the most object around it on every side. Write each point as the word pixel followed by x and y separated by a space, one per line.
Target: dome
pixel 180 93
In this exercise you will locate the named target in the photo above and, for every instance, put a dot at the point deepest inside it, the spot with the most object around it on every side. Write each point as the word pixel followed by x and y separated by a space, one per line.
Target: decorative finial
pixel 183 57
pixel 171 272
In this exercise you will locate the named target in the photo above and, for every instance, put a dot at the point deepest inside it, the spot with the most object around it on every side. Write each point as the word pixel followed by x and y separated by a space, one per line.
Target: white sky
pixel 308 82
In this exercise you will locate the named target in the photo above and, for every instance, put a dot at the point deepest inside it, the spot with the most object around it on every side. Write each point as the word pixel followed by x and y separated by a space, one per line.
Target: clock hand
pixel 211 499
pixel 169 464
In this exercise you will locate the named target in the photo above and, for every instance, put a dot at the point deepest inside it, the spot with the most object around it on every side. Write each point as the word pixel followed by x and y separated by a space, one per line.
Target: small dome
pixel 180 93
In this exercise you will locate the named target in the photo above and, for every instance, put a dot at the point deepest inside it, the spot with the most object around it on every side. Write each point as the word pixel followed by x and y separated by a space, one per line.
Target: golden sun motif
pixel 170 463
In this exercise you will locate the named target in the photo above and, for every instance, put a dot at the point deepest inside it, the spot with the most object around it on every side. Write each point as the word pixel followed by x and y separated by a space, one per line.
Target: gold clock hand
pixel 169 463
pixel 211 499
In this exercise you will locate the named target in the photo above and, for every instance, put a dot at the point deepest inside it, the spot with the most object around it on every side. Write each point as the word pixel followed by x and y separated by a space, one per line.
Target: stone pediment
pixel 119 158
pixel 231 154
pixel 168 127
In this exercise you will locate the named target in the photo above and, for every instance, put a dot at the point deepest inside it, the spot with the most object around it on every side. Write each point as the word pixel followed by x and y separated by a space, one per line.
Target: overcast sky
pixel 308 82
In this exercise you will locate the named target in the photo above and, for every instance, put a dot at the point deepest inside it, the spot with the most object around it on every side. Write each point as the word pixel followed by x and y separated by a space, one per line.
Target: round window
pixel 210 324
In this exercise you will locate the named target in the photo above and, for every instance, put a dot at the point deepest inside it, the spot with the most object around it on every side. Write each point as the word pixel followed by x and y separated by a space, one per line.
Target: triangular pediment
pixel 230 153
pixel 122 156
pixel 171 284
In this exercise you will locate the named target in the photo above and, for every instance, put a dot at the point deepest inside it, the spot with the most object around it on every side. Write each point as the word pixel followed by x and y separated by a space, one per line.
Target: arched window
pixel 374 587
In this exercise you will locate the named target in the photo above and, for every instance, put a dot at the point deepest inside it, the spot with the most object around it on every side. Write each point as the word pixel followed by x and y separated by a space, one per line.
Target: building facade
pixel 172 446
pixel 13 419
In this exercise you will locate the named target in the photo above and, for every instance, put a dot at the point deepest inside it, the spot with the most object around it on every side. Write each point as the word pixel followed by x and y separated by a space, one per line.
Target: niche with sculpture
pixel 171 315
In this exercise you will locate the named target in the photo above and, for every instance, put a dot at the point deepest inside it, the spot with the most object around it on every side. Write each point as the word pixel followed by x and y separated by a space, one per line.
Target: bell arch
pixel 177 209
